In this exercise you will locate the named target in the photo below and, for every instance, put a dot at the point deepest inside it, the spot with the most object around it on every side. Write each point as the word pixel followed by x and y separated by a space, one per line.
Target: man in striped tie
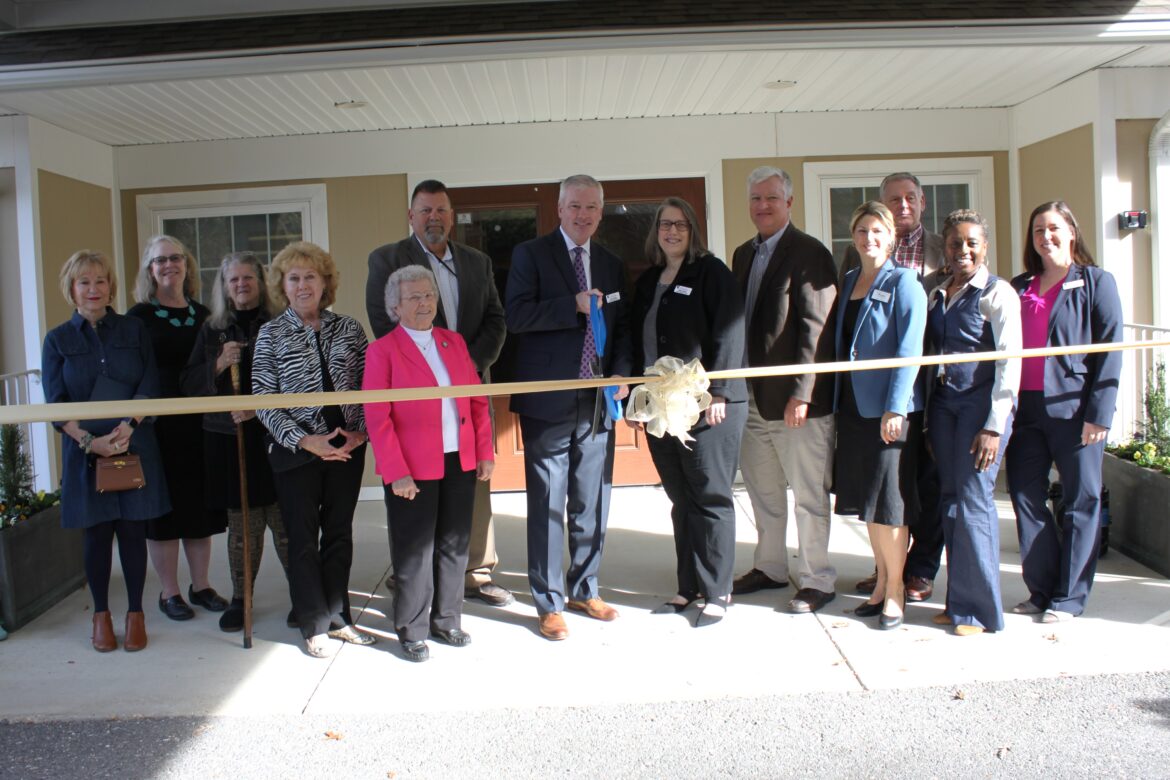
pixel 568 465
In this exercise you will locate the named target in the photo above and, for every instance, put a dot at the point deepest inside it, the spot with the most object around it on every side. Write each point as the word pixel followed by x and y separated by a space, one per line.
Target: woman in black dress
pixel 166 288
pixel 239 306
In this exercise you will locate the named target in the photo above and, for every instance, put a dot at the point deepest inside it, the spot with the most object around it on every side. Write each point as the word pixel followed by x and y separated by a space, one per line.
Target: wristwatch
pixel 131 422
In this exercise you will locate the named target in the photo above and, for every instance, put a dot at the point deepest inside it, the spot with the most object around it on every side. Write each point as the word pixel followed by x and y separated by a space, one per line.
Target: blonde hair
pixel 145 287
pixel 306 254
pixel 76 265
pixel 877 210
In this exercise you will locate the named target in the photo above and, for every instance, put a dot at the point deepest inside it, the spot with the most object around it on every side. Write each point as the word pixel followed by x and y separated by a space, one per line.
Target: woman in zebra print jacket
pixel 318 452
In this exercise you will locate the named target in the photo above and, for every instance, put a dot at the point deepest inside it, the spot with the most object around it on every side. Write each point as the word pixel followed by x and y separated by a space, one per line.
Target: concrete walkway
pixel 48 671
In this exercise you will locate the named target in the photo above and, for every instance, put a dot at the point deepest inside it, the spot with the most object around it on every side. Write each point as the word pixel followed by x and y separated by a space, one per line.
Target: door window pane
pixel 623 231
pixel 496 232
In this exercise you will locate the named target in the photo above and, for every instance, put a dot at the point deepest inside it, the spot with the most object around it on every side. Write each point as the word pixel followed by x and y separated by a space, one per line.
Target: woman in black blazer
pixel 688 305
pixel 1065 410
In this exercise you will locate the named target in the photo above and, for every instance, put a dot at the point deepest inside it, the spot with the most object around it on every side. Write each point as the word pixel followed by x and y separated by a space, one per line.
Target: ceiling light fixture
pixel 779 84
pixel 346 104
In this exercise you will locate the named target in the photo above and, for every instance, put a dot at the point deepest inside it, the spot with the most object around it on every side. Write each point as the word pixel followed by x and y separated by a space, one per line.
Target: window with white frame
pixel 213 223
pixel 832 190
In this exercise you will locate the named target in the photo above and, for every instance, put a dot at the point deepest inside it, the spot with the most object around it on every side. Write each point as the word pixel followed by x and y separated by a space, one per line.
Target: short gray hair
pixel 407 273
pixel 580 180
pixel 765 172
pixel 899 176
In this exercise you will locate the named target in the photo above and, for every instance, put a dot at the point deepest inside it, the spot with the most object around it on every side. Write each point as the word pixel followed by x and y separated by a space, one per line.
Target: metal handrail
pixel 1136 363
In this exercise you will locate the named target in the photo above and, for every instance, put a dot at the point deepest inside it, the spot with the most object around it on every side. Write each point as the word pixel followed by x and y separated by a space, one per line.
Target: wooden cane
pixel 235 369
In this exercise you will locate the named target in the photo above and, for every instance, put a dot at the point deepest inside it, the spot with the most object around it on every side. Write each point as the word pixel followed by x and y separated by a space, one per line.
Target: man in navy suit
pixel 568 462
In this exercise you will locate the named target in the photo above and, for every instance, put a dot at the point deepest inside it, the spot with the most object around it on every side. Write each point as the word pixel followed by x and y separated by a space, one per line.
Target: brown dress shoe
pixel 868 585
pixel 135 632
pixel 552 626
pixel 919 588
pixel 753 581
pixel 103 632
pixel 594 608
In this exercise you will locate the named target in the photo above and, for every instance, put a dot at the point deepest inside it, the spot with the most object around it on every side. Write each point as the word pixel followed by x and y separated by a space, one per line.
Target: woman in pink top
pixel 1065 410
pixel 429 454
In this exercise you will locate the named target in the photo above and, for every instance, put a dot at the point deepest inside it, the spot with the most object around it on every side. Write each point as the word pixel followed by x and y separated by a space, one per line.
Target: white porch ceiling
pixel 589 86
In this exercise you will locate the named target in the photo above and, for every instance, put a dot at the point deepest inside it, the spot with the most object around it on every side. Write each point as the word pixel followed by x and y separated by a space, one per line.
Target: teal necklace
pixel 163 314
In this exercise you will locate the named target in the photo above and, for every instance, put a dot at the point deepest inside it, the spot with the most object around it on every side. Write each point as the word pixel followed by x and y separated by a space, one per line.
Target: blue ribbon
pixel 597 324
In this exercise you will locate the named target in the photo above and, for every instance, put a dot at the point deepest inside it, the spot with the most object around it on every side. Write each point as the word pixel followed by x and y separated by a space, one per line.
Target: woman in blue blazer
pixel 1065 410
pixel 881 314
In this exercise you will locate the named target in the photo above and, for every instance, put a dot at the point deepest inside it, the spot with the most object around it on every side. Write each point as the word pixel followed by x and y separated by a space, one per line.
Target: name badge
pixel 881 296
pixel 616 296
pixel 678 288
pixel 1073 285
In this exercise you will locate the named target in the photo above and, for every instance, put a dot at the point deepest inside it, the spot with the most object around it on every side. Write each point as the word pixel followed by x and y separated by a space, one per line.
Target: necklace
pixel 163 314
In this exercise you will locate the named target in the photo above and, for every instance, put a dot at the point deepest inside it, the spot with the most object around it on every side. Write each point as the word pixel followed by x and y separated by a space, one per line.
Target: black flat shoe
pixel 455 637
pixel 416 651
pixel 868 610
pixel 232 618
pixel 713 612
pixel 175 608
pixel 207 598
pixel 671 607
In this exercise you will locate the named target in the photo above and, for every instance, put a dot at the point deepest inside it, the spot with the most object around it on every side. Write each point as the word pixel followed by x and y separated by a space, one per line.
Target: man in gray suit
pixel 469 305
pixel 920 250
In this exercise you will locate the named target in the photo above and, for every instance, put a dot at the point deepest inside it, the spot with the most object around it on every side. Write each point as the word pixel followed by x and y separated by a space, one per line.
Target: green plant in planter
pixel 18 500
pixel 1150 447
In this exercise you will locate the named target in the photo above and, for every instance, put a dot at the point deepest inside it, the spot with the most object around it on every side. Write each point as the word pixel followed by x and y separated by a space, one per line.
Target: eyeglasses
pixel 417 298
pixel 682 226
pixel 163 259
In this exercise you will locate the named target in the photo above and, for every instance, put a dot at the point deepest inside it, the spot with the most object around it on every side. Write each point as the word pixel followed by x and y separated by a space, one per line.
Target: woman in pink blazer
pixel 429 454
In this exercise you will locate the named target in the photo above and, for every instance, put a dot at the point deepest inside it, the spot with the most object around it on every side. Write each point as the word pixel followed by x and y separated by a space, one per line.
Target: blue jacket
pixel 112 362
pixel 891 324
pixel 1087 311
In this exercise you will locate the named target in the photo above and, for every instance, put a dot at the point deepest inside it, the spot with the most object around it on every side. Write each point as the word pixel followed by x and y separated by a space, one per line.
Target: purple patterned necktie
pixel 589 350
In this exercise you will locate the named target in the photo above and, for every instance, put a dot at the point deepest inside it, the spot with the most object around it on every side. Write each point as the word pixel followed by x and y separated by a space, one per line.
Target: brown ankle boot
pixel 135 632
pixel 103 632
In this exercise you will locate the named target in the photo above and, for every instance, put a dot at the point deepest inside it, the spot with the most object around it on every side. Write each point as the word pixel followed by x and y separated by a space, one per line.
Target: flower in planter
pixel 18 501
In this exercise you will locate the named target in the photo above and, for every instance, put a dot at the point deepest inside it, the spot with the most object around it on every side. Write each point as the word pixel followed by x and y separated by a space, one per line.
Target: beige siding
pixel 1061 168
pixel 73 215
pixel 1133 174
pixel 739 226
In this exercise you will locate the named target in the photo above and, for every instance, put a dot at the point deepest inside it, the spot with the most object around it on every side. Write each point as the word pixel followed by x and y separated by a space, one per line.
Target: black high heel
pixel 890 622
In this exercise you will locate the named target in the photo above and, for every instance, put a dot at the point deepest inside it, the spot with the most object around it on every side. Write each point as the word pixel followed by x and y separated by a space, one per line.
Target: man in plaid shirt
pixel 915 248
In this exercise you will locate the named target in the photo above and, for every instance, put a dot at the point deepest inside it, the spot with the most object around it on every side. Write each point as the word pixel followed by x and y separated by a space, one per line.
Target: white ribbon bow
pixel 674 404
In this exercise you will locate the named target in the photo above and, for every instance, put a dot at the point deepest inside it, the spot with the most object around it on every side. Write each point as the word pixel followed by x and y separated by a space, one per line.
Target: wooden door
pixel 496 219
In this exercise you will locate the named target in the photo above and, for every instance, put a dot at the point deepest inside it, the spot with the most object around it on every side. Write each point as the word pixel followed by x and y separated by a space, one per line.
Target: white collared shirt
pixel 1001 308
pixel 571 245
pixel 425 341
pixel 443 268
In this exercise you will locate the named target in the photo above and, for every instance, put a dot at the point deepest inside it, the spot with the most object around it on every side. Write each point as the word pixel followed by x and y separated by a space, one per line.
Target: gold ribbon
pixel 673 404
pixel 86 410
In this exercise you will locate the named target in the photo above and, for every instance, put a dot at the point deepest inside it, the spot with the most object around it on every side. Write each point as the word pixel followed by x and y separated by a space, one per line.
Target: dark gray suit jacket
pixel 481 315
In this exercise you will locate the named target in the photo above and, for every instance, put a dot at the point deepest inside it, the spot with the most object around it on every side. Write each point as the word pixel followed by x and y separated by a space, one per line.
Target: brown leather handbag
pixel 119 472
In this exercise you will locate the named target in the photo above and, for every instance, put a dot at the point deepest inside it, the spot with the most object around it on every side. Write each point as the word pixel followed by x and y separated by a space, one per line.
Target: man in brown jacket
pixel 790 291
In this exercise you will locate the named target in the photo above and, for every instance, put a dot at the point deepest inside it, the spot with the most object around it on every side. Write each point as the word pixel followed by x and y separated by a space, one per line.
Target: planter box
pixel 40 564
pixel 1139 501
